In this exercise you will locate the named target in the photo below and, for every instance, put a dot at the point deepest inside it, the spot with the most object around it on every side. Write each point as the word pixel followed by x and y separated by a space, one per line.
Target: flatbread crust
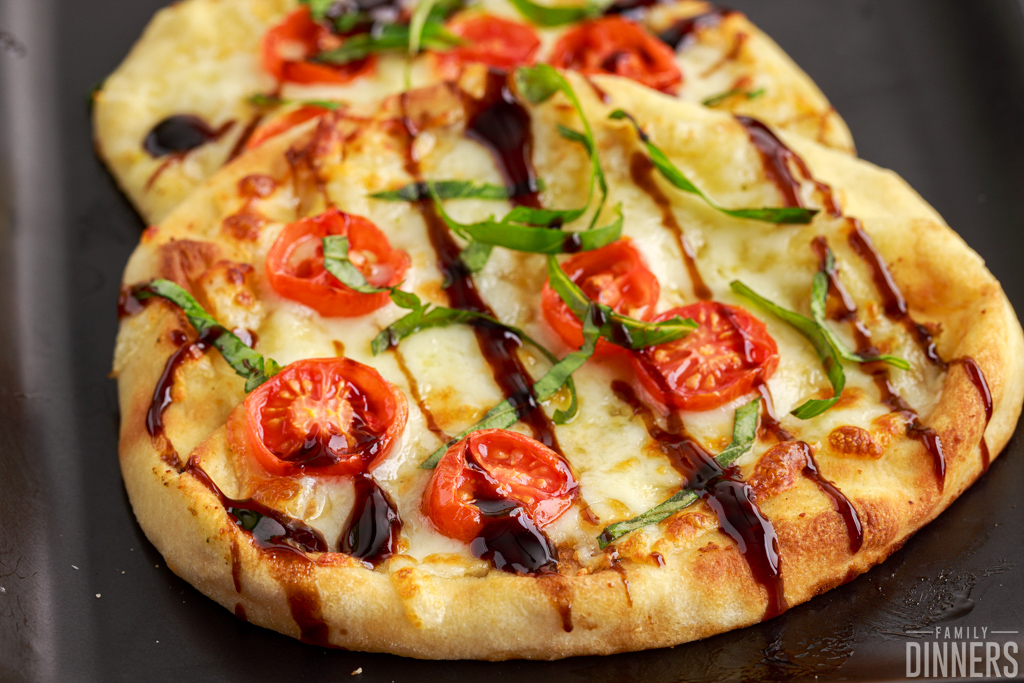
pixel 678 581
pixel 202 57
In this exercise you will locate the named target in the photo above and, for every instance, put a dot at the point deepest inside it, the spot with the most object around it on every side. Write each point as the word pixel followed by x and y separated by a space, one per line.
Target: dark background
pixel 931 88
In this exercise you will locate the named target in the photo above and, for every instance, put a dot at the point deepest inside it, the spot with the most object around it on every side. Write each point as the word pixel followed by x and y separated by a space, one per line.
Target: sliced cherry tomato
pixel 613 45
pixel 295 264
pixel 494 471
pixel 284 123
pixel 615 275
pixel 497 42
pixel 288 46
pixel 329 416
pixel 721 360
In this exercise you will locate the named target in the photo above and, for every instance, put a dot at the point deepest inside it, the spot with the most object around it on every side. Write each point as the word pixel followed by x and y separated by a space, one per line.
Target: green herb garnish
pixel 816 334
pixel 744 433
pixel 389 38
pixel 249 364
pixel 819 296
pixel 506 413
pixel 543 15
pixel 672 174
pixel 261 100
pixel 446 189
pixel 619 329
pixel 715 100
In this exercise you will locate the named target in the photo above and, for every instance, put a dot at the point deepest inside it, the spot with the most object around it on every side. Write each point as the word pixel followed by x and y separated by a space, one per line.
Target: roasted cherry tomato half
pixel 497 42
pixel 328 416
pixel 289 46
pixel 295 264
pixel 494 471
pixel 613 45
pixel 723 359
pixel 615 275
pixel 284 123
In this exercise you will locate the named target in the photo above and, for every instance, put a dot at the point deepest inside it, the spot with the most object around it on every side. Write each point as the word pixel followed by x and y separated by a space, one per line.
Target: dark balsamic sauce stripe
pixel 499 347
pixel 287 538
pixel 977 378
pixel 894 304
pixel 676 35
pixel 641 170
pixel 843 306
pixel 917 430
pixel 779 161
pixel 372 531
pixel 180 134
pixel 840 503
pixel 414 389
pixel 244 138
pixel 731 500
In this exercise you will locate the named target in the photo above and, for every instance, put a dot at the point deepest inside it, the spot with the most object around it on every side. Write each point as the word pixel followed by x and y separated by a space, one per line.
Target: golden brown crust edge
pixel 698 593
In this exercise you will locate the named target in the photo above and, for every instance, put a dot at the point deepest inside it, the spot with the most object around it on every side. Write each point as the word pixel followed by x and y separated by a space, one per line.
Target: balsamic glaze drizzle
pixel 779 161
pixel 676 35
pixel 641 170
pixel 271 529
pixel 373 529
pixel 501 124
pixel 498 345
pixel 894 304
pixel 977 378
pixel 840 503
pixel 731 500
pixel 180 134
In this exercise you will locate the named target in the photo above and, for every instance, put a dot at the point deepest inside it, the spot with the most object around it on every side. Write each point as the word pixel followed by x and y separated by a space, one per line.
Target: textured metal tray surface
pixel 933 89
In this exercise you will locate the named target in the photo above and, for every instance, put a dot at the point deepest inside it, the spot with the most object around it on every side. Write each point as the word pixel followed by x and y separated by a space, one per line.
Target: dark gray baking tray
pixel 931 88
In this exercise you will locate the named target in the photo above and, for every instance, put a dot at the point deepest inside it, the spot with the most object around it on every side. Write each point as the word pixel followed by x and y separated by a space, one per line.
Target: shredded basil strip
pixel 424 316
pixel 619 329
pixel 446 189
pixel 543 15
pixel 506 413
pixel 475 256
pixel 249 364
pixel 261 100
pixel 338 264
pixel 389 37
pixel 715 100
pixel 815 334
pixel 672 174
pixel 538 84
pixel 819 297
pixel 744 434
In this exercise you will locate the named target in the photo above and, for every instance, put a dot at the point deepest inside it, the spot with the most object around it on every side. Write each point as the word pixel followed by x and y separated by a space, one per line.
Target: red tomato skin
pixel 298 28
pixel 473 468
pixel 490 40
pixel 381 410
pixel 317 288
pixel 283 124
pixel 614 45
pixel 633 290
pixel 748 353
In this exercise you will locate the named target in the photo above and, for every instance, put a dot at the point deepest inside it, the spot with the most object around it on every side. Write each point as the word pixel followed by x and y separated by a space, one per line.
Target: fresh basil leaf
pixel 543 15
pixel 715 100
pixel 261 100
pixel 317 8
pixel 406 300
pixel 815 335
pixel 506 413
pixel 672 174
pixel 417 24
pixel 249 364
pixel 338 264
pixel 744 434
pixel 538 84
pixel 445 189
pixel 819 299
pixel 390 37
pixel 619 329
pixel 475 256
